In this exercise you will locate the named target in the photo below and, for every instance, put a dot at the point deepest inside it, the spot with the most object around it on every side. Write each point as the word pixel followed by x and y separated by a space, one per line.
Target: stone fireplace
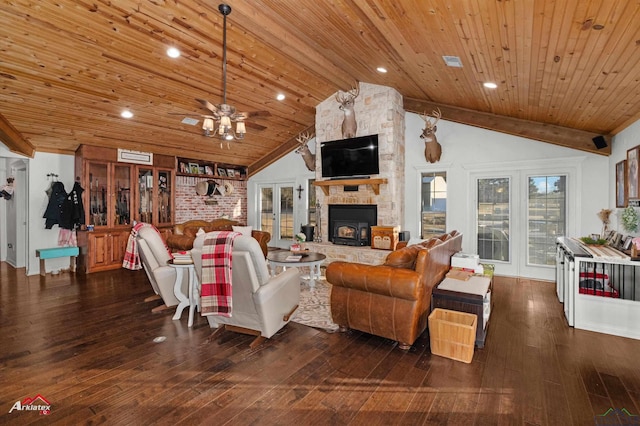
pixel 378 110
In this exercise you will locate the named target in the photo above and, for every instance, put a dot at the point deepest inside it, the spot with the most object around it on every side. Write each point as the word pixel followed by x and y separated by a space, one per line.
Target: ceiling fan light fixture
pixel 241 129
pixel 207 124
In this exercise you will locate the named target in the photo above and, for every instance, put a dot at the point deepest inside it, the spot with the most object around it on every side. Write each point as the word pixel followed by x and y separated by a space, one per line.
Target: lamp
pixel 224 114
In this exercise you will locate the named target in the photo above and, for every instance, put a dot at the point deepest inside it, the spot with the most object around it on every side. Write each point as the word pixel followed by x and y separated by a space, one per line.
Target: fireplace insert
pixel 351 233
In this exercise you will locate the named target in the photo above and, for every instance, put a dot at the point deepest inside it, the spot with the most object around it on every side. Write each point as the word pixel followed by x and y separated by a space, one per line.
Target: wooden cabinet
pixel 101 250
pixel 117 194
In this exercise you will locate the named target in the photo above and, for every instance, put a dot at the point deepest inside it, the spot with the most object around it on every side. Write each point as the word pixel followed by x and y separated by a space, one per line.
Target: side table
pixel 192 300
pixel 472 296
pixel 311 259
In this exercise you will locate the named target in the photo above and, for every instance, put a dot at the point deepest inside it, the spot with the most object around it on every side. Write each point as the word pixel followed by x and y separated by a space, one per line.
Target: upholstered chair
pixel 262 304
pixel 154 256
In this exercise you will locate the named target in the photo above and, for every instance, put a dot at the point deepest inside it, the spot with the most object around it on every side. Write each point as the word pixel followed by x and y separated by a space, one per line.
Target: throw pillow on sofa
pixel 244 230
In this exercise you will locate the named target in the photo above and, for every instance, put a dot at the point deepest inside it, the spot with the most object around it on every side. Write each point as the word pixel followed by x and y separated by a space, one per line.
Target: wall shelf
pixel 374 183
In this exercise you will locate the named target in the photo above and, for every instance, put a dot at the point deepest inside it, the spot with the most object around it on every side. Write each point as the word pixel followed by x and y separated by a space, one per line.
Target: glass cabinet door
pixel 98 173
pixel 165 212
pixel 122 192
pixel 145 201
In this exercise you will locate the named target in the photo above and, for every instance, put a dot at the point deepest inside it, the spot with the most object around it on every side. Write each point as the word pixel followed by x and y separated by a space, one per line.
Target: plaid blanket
pixel 131 257
pixel 215 290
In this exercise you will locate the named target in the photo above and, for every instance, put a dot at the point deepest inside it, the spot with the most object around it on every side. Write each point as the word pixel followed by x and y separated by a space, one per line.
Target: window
pixel 434 204
pixel 546 217
pixel 286 212
pixel 493 219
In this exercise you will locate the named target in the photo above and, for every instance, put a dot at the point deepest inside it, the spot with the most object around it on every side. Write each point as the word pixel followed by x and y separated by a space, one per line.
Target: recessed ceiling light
pixel 382 70
pixel 172 52
pixel 490 85
pixel 280 97
pixel 126 114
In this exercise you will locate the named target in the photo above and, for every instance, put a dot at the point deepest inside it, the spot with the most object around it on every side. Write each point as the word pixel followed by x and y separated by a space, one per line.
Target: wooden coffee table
pixel 309 259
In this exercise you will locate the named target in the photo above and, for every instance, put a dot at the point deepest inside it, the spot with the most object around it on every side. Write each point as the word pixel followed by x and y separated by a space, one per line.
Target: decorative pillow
pixel 415 240
pixel 244 230
pixel 200 232
pixel 403 258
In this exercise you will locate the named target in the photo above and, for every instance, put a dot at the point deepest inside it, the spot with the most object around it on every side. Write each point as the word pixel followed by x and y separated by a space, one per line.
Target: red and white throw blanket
pixel 131 257
pixel 215 290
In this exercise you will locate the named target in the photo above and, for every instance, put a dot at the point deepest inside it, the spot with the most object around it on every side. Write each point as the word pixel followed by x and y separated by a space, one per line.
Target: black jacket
pixel 53 213
pixel 72 215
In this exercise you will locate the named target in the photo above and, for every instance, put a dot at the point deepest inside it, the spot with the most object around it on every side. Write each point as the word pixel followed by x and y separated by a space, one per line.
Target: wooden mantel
pixel 374 183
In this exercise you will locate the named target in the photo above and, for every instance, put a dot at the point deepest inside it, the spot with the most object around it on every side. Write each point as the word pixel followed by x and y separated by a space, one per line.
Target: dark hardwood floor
pixel 86 345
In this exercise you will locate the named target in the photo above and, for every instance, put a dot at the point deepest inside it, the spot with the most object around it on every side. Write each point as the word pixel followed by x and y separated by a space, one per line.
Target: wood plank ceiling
pixel 566 70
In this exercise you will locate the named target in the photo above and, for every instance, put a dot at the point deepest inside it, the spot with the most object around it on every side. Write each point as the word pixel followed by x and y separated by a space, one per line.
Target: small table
pixel 192 300
pixel 472 296
pixel 311 259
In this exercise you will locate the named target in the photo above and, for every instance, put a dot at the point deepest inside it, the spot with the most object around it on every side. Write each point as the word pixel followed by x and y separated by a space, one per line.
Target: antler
pixel 303 138
pixel 343 97
pixel 434 114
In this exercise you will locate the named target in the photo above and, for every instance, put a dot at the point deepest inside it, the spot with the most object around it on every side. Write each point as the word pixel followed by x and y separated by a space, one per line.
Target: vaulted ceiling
pixel 566 70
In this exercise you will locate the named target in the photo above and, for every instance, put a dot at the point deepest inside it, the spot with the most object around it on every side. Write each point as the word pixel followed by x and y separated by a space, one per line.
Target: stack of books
pixel 182 258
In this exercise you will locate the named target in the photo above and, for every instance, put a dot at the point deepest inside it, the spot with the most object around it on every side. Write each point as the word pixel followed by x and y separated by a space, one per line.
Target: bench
pixel 56 252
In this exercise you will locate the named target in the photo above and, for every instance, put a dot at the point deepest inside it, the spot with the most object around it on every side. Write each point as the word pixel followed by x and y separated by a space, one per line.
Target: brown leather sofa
pixel 185 233
pixel 391 300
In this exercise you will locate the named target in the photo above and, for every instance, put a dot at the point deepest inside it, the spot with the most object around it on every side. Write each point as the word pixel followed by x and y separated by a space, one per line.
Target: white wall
pixel 290 168
pixel 468 151
pixel 628 138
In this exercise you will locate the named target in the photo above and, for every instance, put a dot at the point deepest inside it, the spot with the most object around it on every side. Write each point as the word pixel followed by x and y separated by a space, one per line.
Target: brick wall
pixel 190 205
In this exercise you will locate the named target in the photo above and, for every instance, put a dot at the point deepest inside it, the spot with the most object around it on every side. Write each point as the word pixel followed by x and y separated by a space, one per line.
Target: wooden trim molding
pixel 13 139
pixel 556 135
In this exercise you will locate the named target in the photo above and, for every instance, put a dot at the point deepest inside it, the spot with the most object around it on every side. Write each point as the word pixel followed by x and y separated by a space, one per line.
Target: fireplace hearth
pixel 350 224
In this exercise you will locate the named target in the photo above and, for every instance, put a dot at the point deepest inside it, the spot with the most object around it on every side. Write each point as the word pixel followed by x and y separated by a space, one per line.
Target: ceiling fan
pixel 218 122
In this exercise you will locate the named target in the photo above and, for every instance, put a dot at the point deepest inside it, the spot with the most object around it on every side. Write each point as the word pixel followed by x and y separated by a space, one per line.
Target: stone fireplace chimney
pixel 378 110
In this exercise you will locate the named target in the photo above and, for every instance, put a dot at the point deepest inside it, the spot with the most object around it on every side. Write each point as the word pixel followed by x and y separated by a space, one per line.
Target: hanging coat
pixel 53 213
pixel 72 215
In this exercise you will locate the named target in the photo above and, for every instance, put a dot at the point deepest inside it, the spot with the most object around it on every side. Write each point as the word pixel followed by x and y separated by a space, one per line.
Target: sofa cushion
pixel 403 258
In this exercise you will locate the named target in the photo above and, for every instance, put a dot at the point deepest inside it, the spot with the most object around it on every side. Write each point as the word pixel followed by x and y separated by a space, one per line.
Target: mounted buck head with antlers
pixel 303 149
pixel 432 149
pixel 347 101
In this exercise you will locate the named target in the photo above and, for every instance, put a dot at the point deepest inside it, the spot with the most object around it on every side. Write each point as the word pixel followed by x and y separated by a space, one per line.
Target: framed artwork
pixel 621 184
pixel 183 167
pixel 632 173
pixel 222 172
pixel 208 170
pixel 626 245
pixel 231 173
pixel 194 168
pixel 238 174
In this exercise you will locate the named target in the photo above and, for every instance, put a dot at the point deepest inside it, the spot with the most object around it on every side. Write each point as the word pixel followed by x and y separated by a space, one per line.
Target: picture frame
pixel 626 244
pixel 622 189
pixel 222 172
pixel 617 240
pixel 633 183
pixel 194 168
pixel 208 170
pixel 237 174
pixel 183 167
pixel 231 173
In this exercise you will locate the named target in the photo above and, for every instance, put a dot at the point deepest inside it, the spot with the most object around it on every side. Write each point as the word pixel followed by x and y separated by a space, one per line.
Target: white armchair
pixel 261 304
pixel 154 256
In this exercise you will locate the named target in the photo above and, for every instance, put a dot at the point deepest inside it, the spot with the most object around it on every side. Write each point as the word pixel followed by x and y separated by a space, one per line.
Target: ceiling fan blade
pixel 208 105
pixel 258 114
pixel 255 126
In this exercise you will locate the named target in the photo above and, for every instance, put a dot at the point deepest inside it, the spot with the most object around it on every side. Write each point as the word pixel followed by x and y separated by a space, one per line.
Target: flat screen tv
pixel 352 157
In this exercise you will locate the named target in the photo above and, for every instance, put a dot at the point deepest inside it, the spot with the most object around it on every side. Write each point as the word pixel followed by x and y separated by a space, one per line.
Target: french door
pixel 277 212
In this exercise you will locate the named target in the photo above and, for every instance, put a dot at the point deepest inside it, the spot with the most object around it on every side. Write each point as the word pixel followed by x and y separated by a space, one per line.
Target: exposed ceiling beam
pixel 13 140
pixel 557 135
pixel 279 152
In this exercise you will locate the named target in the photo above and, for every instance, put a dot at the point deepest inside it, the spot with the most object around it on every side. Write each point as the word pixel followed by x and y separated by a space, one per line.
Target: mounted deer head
pixel 347 101
pixel 432 149
pixel 303 149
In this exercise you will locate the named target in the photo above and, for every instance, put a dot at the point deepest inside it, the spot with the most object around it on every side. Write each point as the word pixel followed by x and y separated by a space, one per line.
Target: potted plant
pixel 630 219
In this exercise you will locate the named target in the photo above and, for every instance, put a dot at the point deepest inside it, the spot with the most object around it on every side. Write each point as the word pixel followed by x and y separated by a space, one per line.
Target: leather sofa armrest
pixel 263 239
pixel 385 280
